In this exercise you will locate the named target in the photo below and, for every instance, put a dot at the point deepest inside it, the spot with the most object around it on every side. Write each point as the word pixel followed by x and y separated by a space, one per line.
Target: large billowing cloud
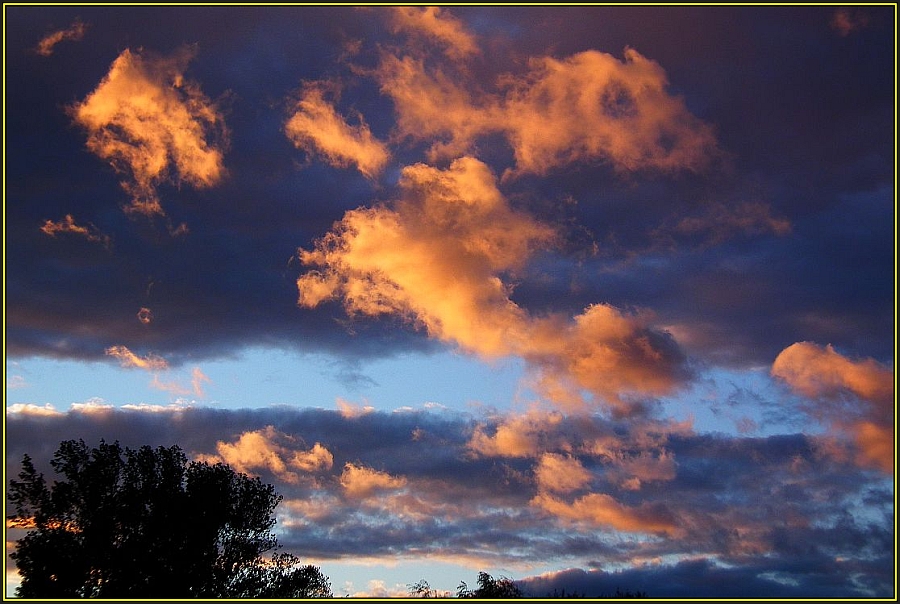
pixel 315 126
pixel 439 257
pixel 153 125
pixel 856 396
pixel 587 107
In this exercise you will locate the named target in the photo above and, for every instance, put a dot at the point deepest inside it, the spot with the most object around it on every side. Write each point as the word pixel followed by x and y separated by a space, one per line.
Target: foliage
pixel 147 523
pixel 489 587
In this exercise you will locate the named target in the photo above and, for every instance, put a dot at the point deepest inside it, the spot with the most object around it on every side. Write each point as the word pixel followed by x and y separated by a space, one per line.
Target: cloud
pixel 73 33
pixel 68 225
pixel 827 377
pixel 350 410
pixel 315 127
pixel 46 410
pixel 560 474
pixel 599 509
pixel 721 222
pixel 438 257
pixel 153 125
pixel 274 451
pixel 360 482
pixel 587 107
pixel 127 358
pixel 145 315
pixel 846 21
pixel 198 378
pixel 437 26
pixel 429 498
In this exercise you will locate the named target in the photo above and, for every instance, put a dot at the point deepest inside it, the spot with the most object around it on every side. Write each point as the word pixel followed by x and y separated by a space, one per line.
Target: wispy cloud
pixel 316 127
pixel 68 225
pixel 152 124
pixel 846 21
pixel 437 26
pixel 73 33
pixel 127 358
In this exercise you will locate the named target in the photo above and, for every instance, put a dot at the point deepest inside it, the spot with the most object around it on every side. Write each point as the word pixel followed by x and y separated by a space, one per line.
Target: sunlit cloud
pixel 198 378
pixel 73 33
pixel 151 362
pixel 316 127
pixel 846 21
pixel 601 510
pixel 438 257
pixel 436 26
pixel 153 125
pixel 274 451
pixel 560 473
pixel 588 107
pixel 68 225
pixel 827 378
pixel 350 410
pixel 360 481
pixel 46 410
pixel 721 222
pixel 145 315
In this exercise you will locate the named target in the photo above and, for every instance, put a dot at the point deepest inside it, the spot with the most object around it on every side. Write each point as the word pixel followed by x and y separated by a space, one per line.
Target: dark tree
pixel 489 587
pixel 147 523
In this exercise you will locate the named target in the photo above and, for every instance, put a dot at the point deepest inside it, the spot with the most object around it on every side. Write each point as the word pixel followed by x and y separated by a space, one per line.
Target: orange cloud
pixel 560 473
pixel 153 125
pixel 145 315
pixel 350 410
pixel 435 26
pixel 823 372
pixel 438 257
pixel 68 225
pixel 198 378
pixel 525 435
pixel 827 376
pixel 316 127
pixel 722 222
pixel 128 359
pixel 360 481
pixel 601 510
pixel 587 107
pixel 263 450
pixel 845 21
pixel 74 33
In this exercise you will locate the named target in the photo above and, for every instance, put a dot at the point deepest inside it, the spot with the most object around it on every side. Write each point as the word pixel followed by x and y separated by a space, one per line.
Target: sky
pixel 591 297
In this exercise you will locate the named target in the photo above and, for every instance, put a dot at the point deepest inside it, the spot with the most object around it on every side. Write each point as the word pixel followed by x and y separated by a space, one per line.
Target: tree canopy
pixel 147 523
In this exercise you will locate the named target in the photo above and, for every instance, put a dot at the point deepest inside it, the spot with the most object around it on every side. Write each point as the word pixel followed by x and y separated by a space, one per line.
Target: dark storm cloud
pixel 781 520
pixel 802 114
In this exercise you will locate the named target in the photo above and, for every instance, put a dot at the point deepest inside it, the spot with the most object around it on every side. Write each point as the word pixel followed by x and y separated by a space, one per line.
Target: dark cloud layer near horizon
pixel 764 519
pixel 801 114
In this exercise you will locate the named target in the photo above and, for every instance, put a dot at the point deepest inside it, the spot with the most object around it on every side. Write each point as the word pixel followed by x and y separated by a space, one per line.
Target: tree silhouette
pixel 147 523
pixel 489 587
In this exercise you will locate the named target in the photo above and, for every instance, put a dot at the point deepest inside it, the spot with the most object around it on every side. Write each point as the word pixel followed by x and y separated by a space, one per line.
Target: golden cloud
pixel 73 33
pixel 601 510
pixel 439 256
pixel 436 26
pixel 68 225
pixel 316 127
pixel 560 473
pixel 269 449
pixel 587 107
pixel 127 358
pixel 153 125
pixel 360 481
pixel 827 376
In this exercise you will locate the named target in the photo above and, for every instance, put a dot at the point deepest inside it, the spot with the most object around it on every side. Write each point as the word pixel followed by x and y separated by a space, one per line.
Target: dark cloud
pixel 768 507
